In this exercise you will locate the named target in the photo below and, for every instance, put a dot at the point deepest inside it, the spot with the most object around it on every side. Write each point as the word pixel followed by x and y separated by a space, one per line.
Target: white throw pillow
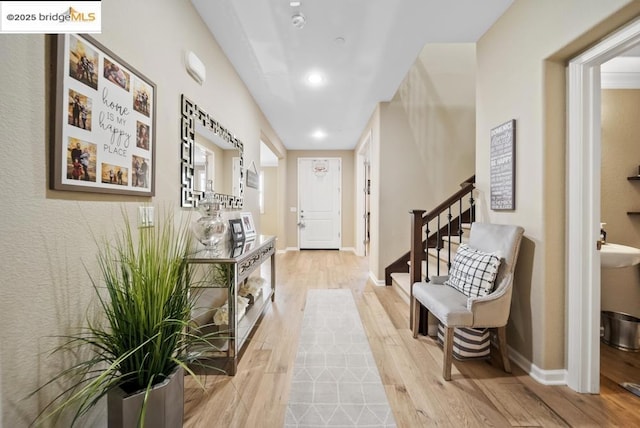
pixel 473 272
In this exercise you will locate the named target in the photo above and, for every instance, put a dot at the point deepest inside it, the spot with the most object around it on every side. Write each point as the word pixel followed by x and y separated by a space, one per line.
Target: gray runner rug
pixel 335 379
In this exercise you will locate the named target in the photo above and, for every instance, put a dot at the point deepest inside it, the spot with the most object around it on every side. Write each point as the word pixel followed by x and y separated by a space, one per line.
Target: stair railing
pixel 461 201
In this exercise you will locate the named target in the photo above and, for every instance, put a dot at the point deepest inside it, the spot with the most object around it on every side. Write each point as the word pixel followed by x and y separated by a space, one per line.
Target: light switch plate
pixel 145 216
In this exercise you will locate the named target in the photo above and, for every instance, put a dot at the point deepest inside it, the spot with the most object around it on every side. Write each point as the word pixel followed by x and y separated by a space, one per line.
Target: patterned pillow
pixel 473 272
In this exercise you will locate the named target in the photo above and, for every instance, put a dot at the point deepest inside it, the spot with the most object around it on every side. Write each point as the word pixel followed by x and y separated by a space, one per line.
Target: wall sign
pixel 104 127
pixel 502 168
pixel 253 178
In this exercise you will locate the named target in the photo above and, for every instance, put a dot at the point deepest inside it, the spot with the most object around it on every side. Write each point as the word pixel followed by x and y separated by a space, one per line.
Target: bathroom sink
pixel 617 256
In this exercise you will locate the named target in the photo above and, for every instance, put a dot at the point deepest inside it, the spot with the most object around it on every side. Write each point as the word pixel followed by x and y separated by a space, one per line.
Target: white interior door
pixel 319 200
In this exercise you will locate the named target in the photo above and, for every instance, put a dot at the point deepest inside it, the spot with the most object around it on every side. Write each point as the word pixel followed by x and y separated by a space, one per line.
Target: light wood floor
pixel 479 395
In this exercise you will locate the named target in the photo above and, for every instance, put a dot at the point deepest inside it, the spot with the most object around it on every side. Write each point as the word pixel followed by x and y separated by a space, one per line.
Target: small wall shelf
pixel 634 178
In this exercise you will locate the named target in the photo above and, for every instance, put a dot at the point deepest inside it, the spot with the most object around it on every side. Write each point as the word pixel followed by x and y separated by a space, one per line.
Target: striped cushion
pixel 473 272
pixel 468 342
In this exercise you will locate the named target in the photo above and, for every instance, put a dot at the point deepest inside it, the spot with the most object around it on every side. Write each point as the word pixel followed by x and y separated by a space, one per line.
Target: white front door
pixel 319 200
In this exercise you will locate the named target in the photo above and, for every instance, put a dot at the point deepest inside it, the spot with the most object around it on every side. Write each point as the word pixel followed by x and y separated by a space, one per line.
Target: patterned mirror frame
pixel 189 198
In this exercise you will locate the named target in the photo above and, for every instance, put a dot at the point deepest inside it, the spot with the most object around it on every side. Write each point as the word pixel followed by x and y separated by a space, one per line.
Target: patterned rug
pixel 335 379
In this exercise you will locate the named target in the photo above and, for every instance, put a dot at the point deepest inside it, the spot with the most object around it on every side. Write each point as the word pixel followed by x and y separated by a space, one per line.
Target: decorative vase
pixel 210 228
pixel 165 404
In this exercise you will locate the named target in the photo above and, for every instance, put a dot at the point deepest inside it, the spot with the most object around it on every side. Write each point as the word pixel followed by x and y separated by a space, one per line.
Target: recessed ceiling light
pixel 319 134
pixel 339 40
pixel 298 20
pixel 294 3
pixel 315 79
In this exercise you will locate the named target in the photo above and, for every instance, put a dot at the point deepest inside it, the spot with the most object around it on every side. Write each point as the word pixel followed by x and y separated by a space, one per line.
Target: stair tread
pixel 401 282
pixel 443 252
pixel 401 277
pixel 455 239
pixel 433 268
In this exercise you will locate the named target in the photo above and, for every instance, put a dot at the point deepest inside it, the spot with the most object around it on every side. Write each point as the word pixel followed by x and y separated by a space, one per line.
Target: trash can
pixel 622 331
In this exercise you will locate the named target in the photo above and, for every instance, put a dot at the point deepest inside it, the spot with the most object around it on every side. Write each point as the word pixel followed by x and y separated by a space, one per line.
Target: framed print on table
pixel 235 226
pixel 104 127
pixel 247 225
pixel 238 249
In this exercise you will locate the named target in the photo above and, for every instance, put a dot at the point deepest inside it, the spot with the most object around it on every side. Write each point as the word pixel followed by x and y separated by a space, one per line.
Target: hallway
pixel 480 393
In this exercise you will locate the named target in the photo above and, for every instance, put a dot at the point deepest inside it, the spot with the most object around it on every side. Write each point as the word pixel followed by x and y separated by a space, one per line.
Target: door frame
pixel 583 207
pixel 363 159
pixel 339 159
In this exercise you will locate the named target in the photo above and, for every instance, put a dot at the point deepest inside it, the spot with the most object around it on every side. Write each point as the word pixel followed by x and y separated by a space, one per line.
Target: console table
pixel 219 277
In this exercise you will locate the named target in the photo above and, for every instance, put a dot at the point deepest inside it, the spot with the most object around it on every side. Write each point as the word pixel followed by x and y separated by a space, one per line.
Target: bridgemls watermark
pixel 50 17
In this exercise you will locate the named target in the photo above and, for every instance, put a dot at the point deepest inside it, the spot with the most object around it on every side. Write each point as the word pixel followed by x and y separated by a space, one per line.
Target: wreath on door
pixel 320 168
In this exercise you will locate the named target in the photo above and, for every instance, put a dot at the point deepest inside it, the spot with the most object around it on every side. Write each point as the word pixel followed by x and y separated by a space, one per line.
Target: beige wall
pixel 423 147
pixel 348 203
pixel 46 235
pixel 269 220
pixel 620 159
pixel 521 75
pixel 271 140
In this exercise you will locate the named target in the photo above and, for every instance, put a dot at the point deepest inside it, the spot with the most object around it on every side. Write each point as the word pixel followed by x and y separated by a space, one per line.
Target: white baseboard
pixel 375 280
pixel 545 377
pixel 281 251
pixel 353 250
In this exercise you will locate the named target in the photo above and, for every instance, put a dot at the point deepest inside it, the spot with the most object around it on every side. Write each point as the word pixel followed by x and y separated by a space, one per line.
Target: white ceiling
pixel 623 71
pixel 363 48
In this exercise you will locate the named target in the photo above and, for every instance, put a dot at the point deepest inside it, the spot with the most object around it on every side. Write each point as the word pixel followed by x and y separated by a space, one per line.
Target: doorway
pixel 268 191
pixel 363 197
pixel 319 203
pixel 367 207
pixel 583 207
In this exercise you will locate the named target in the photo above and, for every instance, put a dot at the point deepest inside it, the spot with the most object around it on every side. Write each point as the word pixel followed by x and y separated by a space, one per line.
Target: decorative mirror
pixel 209 152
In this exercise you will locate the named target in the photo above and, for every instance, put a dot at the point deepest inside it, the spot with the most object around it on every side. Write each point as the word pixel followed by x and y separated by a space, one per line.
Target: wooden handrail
pixel 467 188
pixel 471 179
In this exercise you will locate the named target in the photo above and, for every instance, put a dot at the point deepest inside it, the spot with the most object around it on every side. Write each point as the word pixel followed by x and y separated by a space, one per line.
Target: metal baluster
pixel 460 232
pixel 449 216
pixel 438 247
pixel 426 254
pixel 472 207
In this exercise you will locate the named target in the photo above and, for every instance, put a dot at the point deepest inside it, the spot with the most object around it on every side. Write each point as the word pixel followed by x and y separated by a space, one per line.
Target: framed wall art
pixel 247 225
pixel 104 126
pixel 502 166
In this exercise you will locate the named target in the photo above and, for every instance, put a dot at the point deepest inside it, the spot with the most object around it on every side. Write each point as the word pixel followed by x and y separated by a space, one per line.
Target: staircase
pixel 434 264
pixel 444 228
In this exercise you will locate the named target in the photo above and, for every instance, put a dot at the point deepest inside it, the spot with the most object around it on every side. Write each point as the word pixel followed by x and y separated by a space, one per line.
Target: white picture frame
pixel 248 225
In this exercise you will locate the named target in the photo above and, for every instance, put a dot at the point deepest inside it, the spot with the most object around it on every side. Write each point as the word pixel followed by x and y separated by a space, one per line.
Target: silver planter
pixel 165 405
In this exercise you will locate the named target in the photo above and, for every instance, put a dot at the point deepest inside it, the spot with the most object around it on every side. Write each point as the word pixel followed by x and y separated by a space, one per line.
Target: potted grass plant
pixel 137 353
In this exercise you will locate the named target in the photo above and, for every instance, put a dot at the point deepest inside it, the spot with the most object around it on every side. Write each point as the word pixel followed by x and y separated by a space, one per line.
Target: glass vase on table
pixel 210 229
